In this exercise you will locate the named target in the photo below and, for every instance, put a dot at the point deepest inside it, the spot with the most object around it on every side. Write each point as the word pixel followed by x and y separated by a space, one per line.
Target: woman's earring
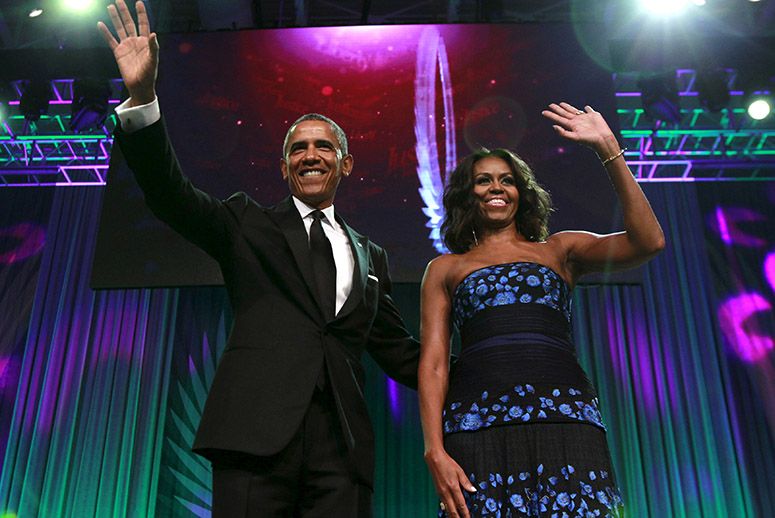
pixel 476 241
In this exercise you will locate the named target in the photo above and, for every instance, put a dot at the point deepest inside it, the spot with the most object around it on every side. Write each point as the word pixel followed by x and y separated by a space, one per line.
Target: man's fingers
pixel 116 20
pixel 126 18
pixel 153 45
pixel 142 19
pixel 107 35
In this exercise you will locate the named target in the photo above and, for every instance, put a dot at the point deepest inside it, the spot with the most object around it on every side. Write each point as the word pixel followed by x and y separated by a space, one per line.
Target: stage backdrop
pixel 102 390
pixel 413 100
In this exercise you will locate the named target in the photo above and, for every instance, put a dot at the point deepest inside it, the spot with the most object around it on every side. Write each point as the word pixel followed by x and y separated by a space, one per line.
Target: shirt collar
pixel 305 210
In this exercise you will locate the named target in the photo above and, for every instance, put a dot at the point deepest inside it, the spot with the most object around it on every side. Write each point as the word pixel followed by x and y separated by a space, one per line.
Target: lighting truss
pixel 46 152
pixel 704 146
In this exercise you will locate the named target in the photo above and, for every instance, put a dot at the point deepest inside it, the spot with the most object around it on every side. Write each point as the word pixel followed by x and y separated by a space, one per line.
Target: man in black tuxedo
pixel 285 424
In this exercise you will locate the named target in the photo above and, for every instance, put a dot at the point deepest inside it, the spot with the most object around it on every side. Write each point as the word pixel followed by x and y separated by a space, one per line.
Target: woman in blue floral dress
pixel 514 429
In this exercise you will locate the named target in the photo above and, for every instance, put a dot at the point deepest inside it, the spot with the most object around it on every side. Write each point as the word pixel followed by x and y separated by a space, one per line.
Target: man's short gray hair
pixel 338 132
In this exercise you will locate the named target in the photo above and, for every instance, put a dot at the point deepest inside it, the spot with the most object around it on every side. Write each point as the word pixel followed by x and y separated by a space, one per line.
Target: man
pixel 285 424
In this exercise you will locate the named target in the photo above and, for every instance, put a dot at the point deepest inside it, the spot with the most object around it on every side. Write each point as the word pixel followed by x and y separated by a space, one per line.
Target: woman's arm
pixel 433 378
pixel 642 237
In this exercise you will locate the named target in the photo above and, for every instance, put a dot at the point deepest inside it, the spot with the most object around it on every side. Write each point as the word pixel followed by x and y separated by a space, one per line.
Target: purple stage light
pixel 615 346
pixel 769 269
pixel 4 362
pixel 394 398
pixel 360 47
pixel 32 240
pixel 736 317
pixel 724 223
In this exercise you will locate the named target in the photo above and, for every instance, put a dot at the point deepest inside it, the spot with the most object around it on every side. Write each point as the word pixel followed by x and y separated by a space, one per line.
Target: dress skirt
pixel 564 470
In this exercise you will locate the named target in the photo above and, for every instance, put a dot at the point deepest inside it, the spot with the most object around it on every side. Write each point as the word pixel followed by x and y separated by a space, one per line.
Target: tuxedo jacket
pixel 280 339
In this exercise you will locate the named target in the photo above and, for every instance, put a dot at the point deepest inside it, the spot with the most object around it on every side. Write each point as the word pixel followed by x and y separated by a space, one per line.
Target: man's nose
pixel 311 154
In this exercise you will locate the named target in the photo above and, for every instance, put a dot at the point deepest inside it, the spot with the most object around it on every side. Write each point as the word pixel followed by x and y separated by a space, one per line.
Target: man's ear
pixel 284 168
pixel 347 165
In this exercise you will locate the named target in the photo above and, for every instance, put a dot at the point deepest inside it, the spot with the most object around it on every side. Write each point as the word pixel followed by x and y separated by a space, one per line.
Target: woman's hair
pixel 461 207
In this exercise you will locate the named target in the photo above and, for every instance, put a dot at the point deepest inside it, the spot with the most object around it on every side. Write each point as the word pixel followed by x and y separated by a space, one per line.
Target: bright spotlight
pixel 759 109
pixel 664 7
pixel 35 12
pixel 78 5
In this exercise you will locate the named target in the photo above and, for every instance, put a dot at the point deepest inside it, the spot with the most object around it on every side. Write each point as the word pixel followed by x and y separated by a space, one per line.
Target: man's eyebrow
pixel 300 144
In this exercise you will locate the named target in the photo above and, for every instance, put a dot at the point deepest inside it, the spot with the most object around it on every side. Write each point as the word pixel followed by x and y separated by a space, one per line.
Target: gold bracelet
pixel 614 157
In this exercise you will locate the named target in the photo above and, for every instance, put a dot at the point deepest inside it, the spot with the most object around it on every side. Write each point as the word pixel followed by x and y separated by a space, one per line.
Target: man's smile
pixel 312 172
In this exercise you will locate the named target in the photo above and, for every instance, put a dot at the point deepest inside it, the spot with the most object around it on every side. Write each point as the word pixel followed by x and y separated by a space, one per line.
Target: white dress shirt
pixel 138 117
pixel 340 244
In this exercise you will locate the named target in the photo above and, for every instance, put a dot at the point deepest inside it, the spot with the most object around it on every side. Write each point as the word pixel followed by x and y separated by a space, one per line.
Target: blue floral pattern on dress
pixel 510 283
pixel 533 493
pixel 521 405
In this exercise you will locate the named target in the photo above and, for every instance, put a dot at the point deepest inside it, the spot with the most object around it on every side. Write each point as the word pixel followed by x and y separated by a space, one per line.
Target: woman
pixel 515 429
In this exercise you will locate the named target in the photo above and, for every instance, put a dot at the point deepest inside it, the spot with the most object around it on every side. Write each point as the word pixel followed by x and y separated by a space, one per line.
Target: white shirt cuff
pixel 138 117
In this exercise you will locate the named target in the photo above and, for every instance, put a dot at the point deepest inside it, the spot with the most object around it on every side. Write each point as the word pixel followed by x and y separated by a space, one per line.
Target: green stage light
pixel 664 7
pixel 80 6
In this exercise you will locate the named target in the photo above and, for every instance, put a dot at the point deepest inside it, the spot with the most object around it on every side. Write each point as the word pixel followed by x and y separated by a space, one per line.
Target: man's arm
pixel 202 219
pixel 143 140
pixel 390 344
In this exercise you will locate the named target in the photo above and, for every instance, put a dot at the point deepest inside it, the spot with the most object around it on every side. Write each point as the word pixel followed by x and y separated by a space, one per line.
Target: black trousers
pixel 309 478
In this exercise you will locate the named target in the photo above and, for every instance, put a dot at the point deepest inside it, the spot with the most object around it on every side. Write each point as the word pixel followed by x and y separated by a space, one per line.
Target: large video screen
pixel 413 100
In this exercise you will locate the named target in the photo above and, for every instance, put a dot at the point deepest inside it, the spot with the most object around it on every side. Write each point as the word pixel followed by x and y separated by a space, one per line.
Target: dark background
pixel 229 97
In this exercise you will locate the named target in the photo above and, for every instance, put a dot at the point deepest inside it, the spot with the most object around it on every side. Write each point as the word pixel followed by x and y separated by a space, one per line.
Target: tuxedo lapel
pixel 360 248
pixel 288 219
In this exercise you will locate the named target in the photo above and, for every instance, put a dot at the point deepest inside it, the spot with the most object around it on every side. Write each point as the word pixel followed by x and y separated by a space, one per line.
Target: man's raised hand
pixel 136 50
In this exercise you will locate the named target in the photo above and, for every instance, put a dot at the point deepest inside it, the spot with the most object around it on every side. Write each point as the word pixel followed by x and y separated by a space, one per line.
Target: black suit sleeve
pixel 202 219
pixel 390 344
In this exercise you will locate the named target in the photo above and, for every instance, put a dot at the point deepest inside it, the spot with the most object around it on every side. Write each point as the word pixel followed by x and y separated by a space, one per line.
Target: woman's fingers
pixel 464 482
pixel 455 506
pixel 570 109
